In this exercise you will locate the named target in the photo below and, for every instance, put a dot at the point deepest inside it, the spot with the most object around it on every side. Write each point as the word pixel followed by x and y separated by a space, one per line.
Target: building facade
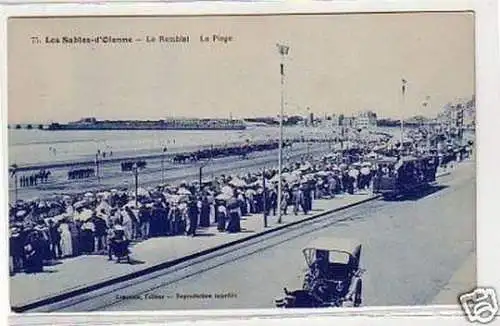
pixel 365 120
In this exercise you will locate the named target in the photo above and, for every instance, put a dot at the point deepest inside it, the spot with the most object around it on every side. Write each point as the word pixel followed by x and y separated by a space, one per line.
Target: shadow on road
pixel 419 193
pixel 132 262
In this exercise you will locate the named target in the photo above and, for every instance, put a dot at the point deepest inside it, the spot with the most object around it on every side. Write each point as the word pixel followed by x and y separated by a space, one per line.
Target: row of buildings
pixel 361 120
pixel 462 113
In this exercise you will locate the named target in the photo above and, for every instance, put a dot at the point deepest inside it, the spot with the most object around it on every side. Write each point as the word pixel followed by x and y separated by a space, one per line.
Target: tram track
pixel 106 297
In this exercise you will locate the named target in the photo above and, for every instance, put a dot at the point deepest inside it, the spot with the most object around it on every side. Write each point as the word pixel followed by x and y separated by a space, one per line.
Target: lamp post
pixel 404 83
pixel 135 169
pixel 264 196
pixel 97 166
pixel 164 150
pixel 283 51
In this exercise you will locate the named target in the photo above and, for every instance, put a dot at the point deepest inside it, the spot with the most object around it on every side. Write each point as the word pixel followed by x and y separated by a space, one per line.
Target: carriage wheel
pixel 357 294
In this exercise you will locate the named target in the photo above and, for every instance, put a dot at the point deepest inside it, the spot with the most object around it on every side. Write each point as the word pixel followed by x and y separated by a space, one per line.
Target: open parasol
pixel 183 191
pixel 237 182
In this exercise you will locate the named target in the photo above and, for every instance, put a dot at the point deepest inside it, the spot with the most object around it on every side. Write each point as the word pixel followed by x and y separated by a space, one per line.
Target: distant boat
pixel 167 124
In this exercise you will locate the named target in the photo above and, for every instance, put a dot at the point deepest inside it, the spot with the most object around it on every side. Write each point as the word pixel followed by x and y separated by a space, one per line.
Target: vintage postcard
pixel 161 163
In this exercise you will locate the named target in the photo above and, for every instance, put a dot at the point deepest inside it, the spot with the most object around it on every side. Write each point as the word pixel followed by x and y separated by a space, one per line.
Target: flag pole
pixel 283 51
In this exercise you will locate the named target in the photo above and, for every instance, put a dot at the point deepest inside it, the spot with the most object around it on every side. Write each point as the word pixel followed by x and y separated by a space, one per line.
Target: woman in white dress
pixel 66 240
pixel 127 223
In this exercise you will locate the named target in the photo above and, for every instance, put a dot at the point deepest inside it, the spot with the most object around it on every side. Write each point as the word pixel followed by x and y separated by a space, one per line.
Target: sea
pixel 34 147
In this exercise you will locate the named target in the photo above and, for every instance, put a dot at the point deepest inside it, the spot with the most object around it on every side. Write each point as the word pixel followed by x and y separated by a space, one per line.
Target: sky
pixel 337 64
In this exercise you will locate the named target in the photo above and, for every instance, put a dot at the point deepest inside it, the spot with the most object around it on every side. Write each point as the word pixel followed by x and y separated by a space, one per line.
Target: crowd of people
pixel 43 231
pixel 65 226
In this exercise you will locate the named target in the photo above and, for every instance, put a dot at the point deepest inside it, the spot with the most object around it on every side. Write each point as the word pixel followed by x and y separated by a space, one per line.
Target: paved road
pixel 411 249
pixel 112 177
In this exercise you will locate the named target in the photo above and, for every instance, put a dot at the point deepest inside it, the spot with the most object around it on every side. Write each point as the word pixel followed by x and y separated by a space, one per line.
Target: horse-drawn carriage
pixel 333 278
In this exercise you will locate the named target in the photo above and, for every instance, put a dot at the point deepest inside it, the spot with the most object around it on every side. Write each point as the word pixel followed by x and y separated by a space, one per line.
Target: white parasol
pixel 305 167
pixel 173 198
pixel 21 213
pixel 237 182
pixel 142 192
pixel 183 191
pixel 365 170
pixel 84 215
pixel 353 173
pixel 223 196
pixel 249 192
pixel 276 178
pixel 227 190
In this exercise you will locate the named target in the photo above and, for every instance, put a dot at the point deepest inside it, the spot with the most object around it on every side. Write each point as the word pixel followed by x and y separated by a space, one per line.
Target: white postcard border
pixel 487 86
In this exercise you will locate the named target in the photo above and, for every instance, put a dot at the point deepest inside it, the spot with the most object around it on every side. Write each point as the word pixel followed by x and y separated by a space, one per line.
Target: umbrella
pixel 88 194
pixel 305 167
pixel 276 178
pixel 223 196
pixel 173 198
pixel 79 204
pixel 250 192
pixel 322 173
pixel 238 182
pixel 183 191
pixel 84 216
pixel 227 190
pixel 142 192
pixel 353 173
pixel 20 213
pixel 365 170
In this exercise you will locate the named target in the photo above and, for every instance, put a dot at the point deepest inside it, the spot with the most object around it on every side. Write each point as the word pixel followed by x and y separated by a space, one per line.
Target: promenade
pixel 80 272
pixel 84 271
